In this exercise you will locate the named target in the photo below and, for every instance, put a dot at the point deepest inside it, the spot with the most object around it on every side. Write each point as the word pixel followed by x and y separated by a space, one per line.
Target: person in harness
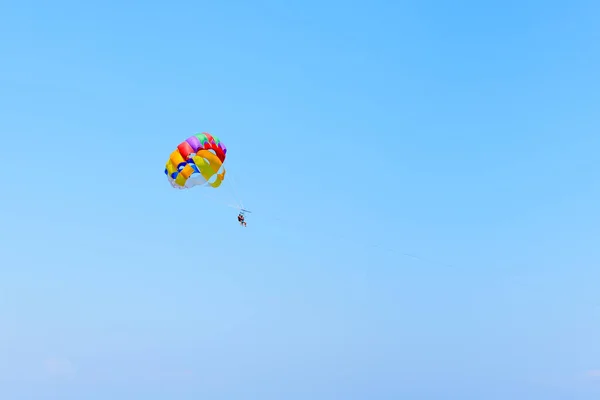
pixel 241 219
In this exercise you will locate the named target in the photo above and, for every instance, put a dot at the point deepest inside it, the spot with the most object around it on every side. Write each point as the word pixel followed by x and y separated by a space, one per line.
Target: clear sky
pixel 423 177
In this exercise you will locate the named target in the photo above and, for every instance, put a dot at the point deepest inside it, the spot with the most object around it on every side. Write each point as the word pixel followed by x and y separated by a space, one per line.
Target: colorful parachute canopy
pixel 197 161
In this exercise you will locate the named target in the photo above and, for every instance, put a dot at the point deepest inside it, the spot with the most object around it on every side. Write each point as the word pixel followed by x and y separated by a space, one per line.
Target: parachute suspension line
pixel 239 206
pixel 230 182
pixel 206 195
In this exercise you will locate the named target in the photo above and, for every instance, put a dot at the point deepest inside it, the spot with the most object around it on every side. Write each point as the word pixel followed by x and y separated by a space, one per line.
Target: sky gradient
pixel 423 177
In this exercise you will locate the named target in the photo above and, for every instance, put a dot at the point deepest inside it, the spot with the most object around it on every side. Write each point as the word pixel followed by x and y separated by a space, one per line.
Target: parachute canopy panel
pixel 197 161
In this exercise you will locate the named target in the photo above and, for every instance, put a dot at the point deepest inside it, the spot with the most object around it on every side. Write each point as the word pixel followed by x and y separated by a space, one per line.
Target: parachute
pixel 197 161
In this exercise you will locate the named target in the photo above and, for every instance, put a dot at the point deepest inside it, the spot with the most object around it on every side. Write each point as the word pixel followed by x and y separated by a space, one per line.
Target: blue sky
pixel 464 134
